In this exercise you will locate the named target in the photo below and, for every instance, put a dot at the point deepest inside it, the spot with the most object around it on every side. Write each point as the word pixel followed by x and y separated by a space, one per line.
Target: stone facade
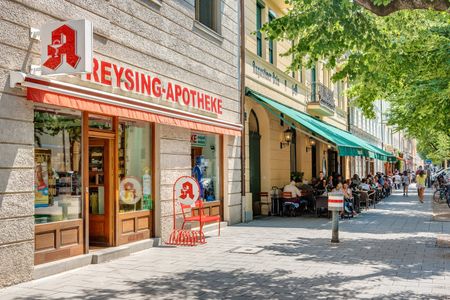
pixel 154 36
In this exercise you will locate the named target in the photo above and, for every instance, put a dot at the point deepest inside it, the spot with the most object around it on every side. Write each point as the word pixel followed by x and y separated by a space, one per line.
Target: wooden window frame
pixel 215 15
pixel 271 45
pixel 259 22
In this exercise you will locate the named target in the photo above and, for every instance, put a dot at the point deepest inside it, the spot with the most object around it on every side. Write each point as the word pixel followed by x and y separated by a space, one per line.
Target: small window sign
pixel 198 140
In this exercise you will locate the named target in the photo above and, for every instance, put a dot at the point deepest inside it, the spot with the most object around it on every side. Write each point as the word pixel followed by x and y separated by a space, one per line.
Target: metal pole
pixel 335 227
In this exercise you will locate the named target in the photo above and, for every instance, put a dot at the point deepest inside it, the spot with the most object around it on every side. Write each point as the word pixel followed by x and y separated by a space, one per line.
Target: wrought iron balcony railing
pixel 319 93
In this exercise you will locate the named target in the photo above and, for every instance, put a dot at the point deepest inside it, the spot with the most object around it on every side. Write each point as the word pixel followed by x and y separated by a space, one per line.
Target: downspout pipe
pixel 242 89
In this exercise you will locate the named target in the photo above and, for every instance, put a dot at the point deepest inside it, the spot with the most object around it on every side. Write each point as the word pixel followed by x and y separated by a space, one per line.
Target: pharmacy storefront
pixel 109 141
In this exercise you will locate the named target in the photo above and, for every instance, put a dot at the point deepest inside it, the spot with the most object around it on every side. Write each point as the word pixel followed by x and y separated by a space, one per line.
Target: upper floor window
pixel 207 13
pixel 259 10
pixel 339 87
pixel 271 42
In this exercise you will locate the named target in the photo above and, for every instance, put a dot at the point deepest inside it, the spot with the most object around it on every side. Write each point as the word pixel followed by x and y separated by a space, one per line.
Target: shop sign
pixel 274 78
pixel 134 81
pixel 66 47
pixel 130 190
pixel 186 190
pixel 198 140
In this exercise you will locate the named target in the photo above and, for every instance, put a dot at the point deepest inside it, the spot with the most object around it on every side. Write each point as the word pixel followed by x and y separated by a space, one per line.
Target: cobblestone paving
pixel 386 253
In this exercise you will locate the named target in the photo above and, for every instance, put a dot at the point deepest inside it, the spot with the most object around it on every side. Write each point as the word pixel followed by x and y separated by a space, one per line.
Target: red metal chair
pixel 201 218
pixel 287 200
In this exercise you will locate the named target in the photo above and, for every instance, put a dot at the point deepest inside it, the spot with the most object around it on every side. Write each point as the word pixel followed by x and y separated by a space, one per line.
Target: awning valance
pixel 86 99
pixel 346 143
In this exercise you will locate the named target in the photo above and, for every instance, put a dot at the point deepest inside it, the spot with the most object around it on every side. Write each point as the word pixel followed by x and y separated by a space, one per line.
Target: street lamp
pixel 287 138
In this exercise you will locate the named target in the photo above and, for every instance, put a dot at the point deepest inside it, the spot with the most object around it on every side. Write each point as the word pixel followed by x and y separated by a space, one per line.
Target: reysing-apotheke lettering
pixel 113 75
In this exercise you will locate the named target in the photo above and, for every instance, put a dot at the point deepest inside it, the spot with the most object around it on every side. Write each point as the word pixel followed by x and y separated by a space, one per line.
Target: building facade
pixel 377 132
pixel 89 160
pixel 270 158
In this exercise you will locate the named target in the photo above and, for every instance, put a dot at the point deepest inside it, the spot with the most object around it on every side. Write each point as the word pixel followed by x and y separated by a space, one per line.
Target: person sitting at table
pixel 364 185
pixel 355 181
pixel 348 197
pixel 321 184
pixel 337 179
pixel 330 184
pixel 307 195
pixel 296 194
pixel 347 205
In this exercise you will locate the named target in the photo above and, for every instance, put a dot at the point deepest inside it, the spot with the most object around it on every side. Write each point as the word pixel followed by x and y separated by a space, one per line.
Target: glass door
pixel 99 169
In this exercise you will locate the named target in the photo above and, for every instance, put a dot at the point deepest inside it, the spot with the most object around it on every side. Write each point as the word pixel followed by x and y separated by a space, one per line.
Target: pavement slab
pixel 385 253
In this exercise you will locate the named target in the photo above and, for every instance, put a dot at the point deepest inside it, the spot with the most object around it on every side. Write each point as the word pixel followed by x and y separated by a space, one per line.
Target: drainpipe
pixel 242 88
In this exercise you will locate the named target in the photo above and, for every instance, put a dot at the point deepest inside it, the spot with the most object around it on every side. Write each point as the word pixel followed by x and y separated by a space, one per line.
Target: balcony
pixel 321 100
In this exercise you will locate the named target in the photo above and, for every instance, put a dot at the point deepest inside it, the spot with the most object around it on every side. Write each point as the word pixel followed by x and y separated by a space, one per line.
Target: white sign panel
pixel 335 201
pixel 186 190
pixel 130 190
pixel 66 47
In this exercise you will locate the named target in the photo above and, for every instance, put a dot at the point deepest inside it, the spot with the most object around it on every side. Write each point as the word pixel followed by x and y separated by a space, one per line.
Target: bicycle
pixel 442 195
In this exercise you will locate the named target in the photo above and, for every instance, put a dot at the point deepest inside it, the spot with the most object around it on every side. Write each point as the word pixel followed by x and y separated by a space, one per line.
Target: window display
pixel 205 152
pixel 135 188
pixel 57 166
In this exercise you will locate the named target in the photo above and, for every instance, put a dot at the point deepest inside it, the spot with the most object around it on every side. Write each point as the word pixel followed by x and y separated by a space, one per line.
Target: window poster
pixel 42 159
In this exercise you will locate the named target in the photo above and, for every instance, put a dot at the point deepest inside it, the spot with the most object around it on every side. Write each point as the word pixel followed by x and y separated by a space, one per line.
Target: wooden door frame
pixel 108 184
pixel 111 137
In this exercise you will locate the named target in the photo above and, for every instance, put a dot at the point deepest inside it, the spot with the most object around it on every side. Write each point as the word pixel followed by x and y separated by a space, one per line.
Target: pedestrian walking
pixel 421 178
pixel 397 180
pixel 406 181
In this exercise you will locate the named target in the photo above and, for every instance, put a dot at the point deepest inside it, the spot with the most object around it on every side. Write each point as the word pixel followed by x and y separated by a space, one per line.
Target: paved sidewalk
pixel 388 252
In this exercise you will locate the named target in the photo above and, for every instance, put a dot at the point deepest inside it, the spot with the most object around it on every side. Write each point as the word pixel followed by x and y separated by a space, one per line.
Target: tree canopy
pixel 402 58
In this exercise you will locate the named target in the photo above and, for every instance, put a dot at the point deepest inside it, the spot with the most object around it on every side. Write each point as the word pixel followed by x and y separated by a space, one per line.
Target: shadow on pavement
pixel 278 284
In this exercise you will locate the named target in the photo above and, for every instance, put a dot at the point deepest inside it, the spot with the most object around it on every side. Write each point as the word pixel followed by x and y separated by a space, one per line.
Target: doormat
pixel 247 250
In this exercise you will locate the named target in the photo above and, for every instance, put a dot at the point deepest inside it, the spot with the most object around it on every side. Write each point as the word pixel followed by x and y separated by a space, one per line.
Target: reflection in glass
pixel 57 166
pixel 205 164
pixel 135 166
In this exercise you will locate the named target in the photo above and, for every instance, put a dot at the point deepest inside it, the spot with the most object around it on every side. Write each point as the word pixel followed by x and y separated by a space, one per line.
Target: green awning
pixel 346 143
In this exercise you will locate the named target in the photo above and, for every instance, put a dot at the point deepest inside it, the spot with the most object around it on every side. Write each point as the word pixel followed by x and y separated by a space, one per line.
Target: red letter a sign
pixel 64 40
pixel 66 47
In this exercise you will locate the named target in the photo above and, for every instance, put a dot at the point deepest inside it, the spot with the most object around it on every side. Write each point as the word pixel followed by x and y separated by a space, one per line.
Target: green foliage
pixel 403 58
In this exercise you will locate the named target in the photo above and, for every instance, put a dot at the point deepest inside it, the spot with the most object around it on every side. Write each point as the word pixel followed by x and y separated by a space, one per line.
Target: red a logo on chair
pixel 64 41
pixel 187 190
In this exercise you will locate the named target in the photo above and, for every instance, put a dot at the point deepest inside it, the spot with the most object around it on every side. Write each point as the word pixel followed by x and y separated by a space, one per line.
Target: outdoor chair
pixel 201 218
pixel 364 200
pixel 372 198
pixel 288 204
pixel 357 201
pixel 321 205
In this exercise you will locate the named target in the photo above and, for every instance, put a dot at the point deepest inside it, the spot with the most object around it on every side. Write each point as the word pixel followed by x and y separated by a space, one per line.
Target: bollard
pixel 335 227
pixel 335 204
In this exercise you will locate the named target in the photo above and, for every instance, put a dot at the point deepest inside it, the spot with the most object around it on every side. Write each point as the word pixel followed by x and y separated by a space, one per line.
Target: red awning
pixel 90 100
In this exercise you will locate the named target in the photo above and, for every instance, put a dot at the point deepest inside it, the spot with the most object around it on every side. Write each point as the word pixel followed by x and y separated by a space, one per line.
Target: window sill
pixel 157 3
pixel 208 32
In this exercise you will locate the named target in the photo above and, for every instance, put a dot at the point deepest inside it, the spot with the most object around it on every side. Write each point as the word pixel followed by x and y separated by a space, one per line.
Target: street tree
pixel 402 57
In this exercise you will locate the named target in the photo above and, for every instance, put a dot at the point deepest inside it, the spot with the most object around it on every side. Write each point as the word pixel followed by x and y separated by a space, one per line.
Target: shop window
pixel 207 13
pixel 135 165
pixel 205 153
pixel 100 122
pixel 57 166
